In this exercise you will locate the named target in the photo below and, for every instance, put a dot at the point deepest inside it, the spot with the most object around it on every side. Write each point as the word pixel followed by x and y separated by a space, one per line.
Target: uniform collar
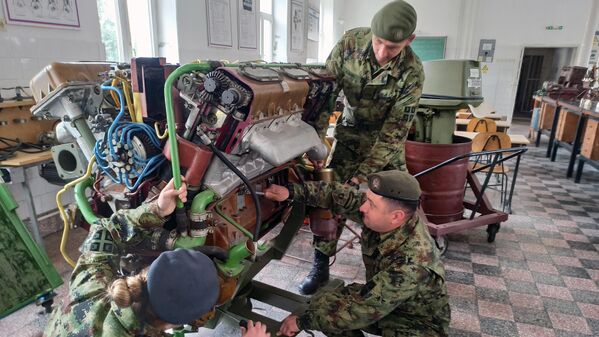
pixel 393 240
pixel 392 66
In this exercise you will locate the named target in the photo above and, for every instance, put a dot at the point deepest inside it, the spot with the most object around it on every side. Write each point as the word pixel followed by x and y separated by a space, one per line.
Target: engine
pixel 231 129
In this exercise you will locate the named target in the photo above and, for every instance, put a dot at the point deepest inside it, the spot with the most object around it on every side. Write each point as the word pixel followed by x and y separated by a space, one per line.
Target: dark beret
pixel 395 184
pixel 395 22
pixel 182 286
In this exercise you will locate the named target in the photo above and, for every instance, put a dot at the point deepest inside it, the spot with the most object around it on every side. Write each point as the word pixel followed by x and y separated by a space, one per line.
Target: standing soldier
pixel 405 292
pixel 382 79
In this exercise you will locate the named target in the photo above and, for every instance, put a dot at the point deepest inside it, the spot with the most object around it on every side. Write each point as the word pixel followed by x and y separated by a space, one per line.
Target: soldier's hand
pixel 318 164
pixel 276 192
pixel 167 200
pixel 254 330
pixel 289 326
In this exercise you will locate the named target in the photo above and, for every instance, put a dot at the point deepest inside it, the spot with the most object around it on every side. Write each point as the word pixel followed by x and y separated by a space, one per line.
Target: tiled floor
pixel 539 278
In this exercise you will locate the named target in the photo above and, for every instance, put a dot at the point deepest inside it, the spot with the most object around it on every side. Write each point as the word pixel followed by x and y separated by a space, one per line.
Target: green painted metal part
pixel 26 273
pixel 234 265
pixel 435 126
pixel 83 203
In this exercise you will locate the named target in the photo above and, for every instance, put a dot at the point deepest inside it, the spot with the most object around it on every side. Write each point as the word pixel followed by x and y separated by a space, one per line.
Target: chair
pixel 489 141
pixel 485 110
pixel 481 125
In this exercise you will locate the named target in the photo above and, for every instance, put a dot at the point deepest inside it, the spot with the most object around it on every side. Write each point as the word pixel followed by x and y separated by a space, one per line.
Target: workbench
pixel 517 140
pixel 16 121
pixel 461 124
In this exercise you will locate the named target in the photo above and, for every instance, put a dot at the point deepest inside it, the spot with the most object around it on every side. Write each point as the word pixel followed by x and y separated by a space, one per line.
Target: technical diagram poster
pixel 248 34
pixel 219 23
pixel 297 25
pixel 48 13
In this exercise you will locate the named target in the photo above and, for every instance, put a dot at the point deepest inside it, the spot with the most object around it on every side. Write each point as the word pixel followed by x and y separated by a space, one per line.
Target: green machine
pixel 449 85
pixel 26 273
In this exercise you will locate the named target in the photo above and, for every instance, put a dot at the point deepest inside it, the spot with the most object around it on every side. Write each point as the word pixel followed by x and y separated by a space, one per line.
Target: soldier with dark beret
pixel 180 287
pixel 382 79
pixel 405 292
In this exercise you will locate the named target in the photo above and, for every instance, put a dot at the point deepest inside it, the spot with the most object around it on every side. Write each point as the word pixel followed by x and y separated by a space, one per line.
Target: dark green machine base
pixel 240 307
pixel 26 273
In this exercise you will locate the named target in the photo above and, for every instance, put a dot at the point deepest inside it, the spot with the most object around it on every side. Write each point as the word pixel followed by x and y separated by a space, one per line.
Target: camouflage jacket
pixel 87 310
pixel 382 101
pixel 405 291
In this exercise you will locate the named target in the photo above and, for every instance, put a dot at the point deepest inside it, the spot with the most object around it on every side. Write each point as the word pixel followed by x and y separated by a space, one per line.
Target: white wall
pixel 192 31
pixel 24 51
pixel 515 24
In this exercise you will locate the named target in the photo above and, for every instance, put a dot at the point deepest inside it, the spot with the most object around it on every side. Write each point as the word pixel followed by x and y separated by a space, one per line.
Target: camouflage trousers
pixel 345 163
pixel 375 329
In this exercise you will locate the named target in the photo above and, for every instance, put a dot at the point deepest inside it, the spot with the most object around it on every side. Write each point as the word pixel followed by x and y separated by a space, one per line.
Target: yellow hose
pixel 129 100
pixel 114 96
pixel 63 213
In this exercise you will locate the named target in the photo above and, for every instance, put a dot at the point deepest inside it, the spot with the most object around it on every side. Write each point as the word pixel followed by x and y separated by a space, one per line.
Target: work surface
pixel 515 139
pixel 23 159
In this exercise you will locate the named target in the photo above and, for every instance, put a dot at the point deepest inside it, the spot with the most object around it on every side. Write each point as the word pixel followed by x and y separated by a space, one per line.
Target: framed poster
pixel 248 24
pixel 43 13
pixel 313 22
pixel 218 14
pixel 297 25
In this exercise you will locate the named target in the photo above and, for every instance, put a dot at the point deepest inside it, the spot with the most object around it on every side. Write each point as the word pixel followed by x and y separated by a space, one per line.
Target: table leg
pixel 33 224
pixel 552 131
pixel 576 145
pixel 579 170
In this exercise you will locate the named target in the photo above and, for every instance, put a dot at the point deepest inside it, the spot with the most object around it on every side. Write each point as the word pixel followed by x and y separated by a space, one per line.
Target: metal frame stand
pixel 487 214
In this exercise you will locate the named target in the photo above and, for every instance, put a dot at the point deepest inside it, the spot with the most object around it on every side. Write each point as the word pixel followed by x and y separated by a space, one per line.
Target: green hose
pixel 233 265
pixel 83 203
pixel 170 117
pixel 200 201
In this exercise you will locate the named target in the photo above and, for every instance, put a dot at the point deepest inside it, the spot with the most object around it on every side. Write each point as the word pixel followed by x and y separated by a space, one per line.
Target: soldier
pixel 179 287
pixel 381 78
pixel 405 293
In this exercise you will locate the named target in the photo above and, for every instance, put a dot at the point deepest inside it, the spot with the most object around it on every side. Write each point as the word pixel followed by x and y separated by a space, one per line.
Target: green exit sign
pixel 554 27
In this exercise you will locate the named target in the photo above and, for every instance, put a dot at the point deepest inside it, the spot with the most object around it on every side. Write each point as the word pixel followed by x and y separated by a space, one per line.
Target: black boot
pixel 318 276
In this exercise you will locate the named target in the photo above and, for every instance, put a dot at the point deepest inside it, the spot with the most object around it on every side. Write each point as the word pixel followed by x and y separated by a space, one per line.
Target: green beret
pixel 395 22
pixel 395 184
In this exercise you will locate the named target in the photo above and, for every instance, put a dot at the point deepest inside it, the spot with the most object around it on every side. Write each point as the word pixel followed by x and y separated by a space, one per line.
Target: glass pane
pixel 267 40
pixel 108 27
pixel 266 6
pixel 140 25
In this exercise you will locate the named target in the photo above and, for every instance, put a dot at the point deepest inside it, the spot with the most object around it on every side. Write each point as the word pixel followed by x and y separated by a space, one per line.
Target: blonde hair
pixel 128 290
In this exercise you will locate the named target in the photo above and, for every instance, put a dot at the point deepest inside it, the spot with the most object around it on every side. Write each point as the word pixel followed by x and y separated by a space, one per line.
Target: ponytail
pixel 128 290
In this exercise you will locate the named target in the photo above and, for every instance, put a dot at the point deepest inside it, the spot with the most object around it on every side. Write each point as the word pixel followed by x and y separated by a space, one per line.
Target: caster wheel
pixel 441 243
pixel 492 230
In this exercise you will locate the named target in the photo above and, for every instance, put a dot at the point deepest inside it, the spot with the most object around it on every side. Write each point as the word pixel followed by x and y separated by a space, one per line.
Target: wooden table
pixel 502 126
pixel 517 140
pixel 17 167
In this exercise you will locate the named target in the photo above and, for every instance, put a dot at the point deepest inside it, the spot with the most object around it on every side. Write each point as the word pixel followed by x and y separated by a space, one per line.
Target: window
pixel 266 24
pixel 127 28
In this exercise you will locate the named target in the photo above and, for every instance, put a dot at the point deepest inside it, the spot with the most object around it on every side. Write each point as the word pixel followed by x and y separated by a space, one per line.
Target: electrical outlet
pixel 2 24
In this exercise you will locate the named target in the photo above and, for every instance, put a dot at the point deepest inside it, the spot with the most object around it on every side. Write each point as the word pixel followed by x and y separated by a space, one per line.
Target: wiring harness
pixel 129 152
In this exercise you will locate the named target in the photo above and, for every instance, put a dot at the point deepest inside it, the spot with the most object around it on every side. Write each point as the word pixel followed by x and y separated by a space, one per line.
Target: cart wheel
pixel 441 244
pixel 492 230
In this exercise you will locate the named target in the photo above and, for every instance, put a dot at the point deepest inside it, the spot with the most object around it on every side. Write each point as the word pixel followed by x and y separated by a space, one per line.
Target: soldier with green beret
pixel 405 292
pixel 381 78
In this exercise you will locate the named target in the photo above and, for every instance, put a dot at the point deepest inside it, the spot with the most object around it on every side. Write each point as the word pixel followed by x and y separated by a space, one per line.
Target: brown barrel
pixel 442 189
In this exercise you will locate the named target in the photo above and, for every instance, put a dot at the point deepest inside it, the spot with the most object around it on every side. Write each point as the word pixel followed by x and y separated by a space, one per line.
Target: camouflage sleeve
pixel 134 226
pixel 343 310
pixel 334 64
pixel 340 198
pixel 390 141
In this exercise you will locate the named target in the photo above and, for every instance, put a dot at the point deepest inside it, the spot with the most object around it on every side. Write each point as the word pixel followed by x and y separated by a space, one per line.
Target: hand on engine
pixel 289 326
pixel 254 330
pixel 167 200
pixel 276 192
pixel 318 164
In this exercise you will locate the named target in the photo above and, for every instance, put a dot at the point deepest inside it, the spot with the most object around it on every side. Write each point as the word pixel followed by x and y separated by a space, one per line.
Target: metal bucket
pixel 442 189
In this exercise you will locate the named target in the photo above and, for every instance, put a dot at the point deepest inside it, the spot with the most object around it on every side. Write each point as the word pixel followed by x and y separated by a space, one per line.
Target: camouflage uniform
pixel 87 310
pixel 382 103
pixel 404 294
